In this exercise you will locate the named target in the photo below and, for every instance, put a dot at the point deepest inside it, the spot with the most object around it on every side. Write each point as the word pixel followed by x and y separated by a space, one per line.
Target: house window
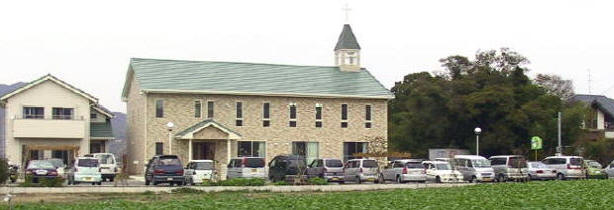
pixel 251 149
pixel 318 115
pixel 239 121
pixel 210 108
pixel 266 110
pixel 159 148
pixel 351 148
pixel 33 112
pixel 292 107
pixel 368 116
pixel 197 109
pixel 309 150
pixel 344 115
pixel 62 113
pixel 159 108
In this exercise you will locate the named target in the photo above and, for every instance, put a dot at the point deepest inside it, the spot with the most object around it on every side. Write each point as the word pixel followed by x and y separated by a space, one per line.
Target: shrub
pixel 280 183
pixel 186 190
pixel 4 171
pixel 317 181
pixel 53 182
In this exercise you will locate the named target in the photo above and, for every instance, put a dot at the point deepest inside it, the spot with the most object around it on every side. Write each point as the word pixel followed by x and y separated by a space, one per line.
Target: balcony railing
pixel 53 117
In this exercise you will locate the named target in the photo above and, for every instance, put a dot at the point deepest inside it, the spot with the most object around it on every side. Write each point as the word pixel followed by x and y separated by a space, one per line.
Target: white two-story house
pixel 49 118
pixel 600 122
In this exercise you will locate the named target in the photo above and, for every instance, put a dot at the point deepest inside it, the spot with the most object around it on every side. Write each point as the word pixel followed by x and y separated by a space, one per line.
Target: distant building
pixel 600 123
pixel 446 153
pixel 49 118
pixel 229 109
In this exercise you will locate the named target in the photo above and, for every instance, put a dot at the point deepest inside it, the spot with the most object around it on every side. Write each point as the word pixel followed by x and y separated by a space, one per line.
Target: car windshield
pixel 106 159
pixel 40 164
pixel 334 163
pixel 204 165
pixel 594 164
pixel 414 165
pixel 56 162
pixel 169 161
pixel 87 163
pixel 538 165
pixel 517 162
pixel 576 161
pixel 254 162
pixel 481 163
pixel 369 164
pixel 443 166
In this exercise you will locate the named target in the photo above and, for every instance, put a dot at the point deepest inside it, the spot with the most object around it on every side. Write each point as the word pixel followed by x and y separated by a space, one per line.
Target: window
pixel 159 108
pixel 251 149
pixel 498 161
pixel 344 115
pixel 266 110
pixel 210 107
pixel 197 109
pixel 239 121
pixel 292 107
pixel 159 148
pixel 351 148
pixel 318 115
pixel 61 113
pixel 368 116
pixel 309 150
pixel 33 112
pixel 93 116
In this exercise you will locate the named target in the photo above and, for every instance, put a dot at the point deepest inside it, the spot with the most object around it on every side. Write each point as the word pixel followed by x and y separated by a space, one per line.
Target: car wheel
pixel 560 176
pixel 146 182
pixel 529 177
pixel 99 183
pixel 501 178
pixel 93 183
pixel 111 179
pixel 437 179
pixel 473 180
pixel 154 183
pixel 381 179
pixel 358 180
pixel 399 181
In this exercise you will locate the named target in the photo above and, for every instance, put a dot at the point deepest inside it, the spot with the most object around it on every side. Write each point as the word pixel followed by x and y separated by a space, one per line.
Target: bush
pixel 53 182
pixel 4 171
pixel 281 183
pixel 186 190
pixel 236 182
pixel 317 181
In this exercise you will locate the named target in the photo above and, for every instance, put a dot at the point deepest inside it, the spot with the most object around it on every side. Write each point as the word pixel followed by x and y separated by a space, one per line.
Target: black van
pixel 164 169
pixel 286 167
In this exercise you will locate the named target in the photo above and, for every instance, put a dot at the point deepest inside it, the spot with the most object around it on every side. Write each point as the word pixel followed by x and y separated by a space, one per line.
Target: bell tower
pixel 347 50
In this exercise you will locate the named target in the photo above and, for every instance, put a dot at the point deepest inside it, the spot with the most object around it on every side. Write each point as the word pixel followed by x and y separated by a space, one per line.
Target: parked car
pixel 474 168
pixel 41 169
pixel 85 169
pixel 449 160
pixel 609 170
pixel 509 167
pixel 404 170
pixel 361 170
pixel 327 168
pixel 59 166
pixel 287 167
pixel 246 167
pixel 539 171
pixel 164 169
pixel 594 170
pixel 108 165
pixel 199 170
pixel 441 171
pixel 567 167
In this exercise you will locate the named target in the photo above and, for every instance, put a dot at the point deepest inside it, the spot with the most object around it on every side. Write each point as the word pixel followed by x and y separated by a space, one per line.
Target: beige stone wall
pixel 136 133
pixel 179 109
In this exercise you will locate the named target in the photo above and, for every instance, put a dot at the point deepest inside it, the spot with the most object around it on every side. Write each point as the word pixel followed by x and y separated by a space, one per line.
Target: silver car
pixel 567 167
pixel 539 171
pixel 246 167
pixel 403 171
pixel 474 168
pixel 509 167
pixel 360 170
pixel 326 168
pixel 609 170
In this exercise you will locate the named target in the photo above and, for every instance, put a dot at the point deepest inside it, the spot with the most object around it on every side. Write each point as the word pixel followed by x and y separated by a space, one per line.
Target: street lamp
pixel 170 126
pixel 477 132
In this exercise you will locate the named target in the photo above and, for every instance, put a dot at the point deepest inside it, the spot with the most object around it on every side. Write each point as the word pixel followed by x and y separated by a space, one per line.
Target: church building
pixel 219 110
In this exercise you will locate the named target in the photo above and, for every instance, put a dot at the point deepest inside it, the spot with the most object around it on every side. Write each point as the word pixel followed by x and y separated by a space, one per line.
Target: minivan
pixel 474 168
pixel 85 169
pixel 246 167
pixel 361 170
pixel 287 167
pixel 404 170
pixel 567 167
pixel 327 168
pixel 509 167
pixel 164 169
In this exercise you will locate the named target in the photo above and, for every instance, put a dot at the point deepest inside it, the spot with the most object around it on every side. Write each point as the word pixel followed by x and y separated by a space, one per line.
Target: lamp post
pixel 477 132
pixel 170 126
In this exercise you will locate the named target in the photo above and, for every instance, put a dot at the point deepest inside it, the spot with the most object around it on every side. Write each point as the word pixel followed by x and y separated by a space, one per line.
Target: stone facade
pixel 145 128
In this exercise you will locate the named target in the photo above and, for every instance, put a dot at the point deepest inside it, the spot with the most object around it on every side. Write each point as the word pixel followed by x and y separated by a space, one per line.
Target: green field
pixel 585 194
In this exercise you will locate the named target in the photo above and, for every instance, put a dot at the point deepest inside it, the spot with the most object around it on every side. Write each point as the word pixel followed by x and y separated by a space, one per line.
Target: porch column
pixel 190 149
pixel 228 150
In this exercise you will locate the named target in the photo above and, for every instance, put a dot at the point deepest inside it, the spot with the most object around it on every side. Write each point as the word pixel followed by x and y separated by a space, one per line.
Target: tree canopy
pixel 492 92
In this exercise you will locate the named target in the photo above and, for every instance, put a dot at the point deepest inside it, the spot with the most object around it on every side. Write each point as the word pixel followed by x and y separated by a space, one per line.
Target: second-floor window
pixel 266 112
pixel 62 113
pixel 239 121
pixel 33 112
pixel 292 107
pixel 318 115
pixel 368 116
pixel 197 109
pixel 344 115
pixel 159 108
pixel 210 109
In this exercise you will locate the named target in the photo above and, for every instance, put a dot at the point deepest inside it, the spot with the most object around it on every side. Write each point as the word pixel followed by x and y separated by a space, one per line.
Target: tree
pixel 555 85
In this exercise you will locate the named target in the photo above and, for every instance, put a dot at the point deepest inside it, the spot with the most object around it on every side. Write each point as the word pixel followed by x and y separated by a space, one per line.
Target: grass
pixel 584 194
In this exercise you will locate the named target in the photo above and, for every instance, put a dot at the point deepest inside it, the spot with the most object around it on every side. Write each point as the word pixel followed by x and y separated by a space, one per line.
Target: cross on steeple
pixel 347 10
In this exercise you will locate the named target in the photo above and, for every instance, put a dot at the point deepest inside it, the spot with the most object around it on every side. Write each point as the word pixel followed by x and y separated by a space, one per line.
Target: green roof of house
pixel 101 130
pixel 155 75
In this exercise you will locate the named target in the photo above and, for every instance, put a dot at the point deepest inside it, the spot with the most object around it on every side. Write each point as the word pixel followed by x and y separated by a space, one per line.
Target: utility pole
pixel 559 149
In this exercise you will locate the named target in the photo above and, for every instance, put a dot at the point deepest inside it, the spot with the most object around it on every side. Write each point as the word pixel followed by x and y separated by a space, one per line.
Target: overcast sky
pixel 90 45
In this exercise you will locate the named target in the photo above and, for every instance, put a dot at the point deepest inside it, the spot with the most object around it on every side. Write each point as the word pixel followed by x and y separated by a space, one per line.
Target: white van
pixel 199 170
pixel 567 167
pixel 474 168
pixel 85 169
pixel 108 165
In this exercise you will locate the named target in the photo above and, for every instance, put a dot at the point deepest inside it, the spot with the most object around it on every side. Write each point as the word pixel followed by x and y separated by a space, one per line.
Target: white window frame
pixel 290 113
pixel 201 107
pixel 321 106
pixel 213 111
pixel 370 120
pixel 252 147
pixel 242 113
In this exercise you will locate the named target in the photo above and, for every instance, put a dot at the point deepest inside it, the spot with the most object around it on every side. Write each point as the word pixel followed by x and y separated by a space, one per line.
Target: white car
pixel 404 170
pixel 108 165
pixel 567 167
pixel 199 170
pixel 474 168
pixel 85 169
pixel 609 170
pixel 441 171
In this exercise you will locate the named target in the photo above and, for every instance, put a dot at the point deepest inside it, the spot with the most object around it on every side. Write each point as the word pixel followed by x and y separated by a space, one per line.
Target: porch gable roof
pixel 188 133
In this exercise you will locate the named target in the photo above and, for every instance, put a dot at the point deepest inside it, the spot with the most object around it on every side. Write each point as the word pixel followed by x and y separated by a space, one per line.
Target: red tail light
pixel 404 170
pixel 243 161
pixel 569 166
pixel 180 172
pixel 158 171
pixel 539 172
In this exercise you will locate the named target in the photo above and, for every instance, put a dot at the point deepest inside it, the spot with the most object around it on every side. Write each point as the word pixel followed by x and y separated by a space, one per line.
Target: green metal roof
pixel 347 40
pixel 253 79
pixel 101 130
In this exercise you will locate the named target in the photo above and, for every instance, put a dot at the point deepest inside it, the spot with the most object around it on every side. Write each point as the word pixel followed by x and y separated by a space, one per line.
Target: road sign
pixel 536 143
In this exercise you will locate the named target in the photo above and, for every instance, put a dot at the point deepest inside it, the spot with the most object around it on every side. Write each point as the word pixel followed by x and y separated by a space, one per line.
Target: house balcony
pixel 54 127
